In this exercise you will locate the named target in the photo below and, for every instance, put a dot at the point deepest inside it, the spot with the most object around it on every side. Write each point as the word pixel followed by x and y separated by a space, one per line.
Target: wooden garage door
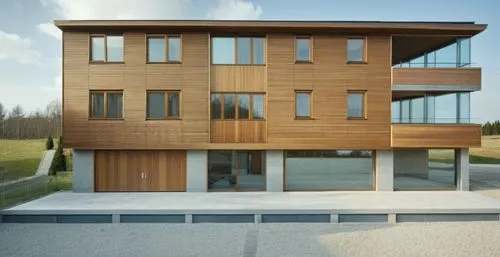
pixel 122 171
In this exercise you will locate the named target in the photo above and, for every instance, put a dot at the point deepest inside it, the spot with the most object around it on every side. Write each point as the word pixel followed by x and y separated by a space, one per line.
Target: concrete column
pixel 83 171
pixel 462 162
pixel 197 174
pixel 274 169
pixel 384 170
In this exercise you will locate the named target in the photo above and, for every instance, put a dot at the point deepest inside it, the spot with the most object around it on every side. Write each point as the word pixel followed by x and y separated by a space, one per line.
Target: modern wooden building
pixel 268 105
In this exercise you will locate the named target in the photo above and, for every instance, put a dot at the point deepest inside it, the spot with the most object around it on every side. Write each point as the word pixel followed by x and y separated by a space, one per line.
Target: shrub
pixel 49 145
pixel 59 161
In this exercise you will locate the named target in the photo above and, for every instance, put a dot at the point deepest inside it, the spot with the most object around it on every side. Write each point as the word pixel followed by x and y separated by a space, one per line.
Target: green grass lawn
pixel 20 157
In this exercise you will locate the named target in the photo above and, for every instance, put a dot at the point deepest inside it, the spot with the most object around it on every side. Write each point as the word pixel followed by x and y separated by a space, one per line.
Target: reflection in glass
pixel 244 50
pixel 156 49
pixel 221 171
pixel 97 105
pixel 258 50
pixel 431 109
pixel 355 49
pixel 464 107
pixel 223 50
pixel 97 48
pixel 236 170
pixel 329 170
pixel 174 49
pixel 426 169
pixel 173 104
pixel 251 170
pixel 303 104
pixel 446 108
pixel 417 110
pixel 229 110
pixel 405 111
pixel 464 57
pixel 303 49
pixel 355 105
pixel 115 105
pixel 243 106
pixel 395 112
pixel 156 105
pixel 216 106
pixel 258 107
pixel 115 48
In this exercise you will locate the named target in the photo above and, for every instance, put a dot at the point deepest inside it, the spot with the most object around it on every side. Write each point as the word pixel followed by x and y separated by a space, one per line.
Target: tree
pixel 17 112
pixel 49 145
pixel 2 119
pixel 59 161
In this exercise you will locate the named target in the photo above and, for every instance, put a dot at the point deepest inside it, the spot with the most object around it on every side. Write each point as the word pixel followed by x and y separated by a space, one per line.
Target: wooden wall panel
pixel 329 77
pixel 238 78
pixel 134 77
pixel 239 131
pixel 436 135
pixel 436 76
pixel 121 171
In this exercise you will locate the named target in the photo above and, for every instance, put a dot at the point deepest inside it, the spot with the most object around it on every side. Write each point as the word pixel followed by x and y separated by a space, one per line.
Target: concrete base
pixel 83 171
pixel 196 179
pixel 272 207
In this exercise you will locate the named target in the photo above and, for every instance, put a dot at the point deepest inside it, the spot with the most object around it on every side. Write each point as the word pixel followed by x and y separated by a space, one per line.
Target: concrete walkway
pixel 44 166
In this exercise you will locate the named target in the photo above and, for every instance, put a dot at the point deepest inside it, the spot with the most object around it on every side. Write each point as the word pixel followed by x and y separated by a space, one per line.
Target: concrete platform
pixel 257 207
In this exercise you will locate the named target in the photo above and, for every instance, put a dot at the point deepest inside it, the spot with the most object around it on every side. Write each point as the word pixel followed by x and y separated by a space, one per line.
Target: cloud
pixel 50 29
pixel 16 48
pixel 235 10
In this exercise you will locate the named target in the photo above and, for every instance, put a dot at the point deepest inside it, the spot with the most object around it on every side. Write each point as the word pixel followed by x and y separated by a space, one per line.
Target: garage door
pixel 122 171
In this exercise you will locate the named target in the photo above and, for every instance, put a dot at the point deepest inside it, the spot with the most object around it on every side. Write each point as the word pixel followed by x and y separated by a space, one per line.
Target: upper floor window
pixel 106 104
pixel 356 105
pixel 164 48
pixel 356 50
pixel 106 48
pixel 163 105
pixel 303 104
pixel 303 49
pixel 238 50
pixel 240 106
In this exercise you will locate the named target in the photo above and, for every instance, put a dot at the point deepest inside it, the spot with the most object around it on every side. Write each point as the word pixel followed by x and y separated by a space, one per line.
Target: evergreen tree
pixel 49 145
pixel 59 161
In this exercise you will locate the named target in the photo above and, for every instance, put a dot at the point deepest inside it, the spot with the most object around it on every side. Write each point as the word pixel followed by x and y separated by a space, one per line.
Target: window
pixel 161 52
pixel 106 105
pixel 302 104
pixel 303 49
pixel 356 50
pixel 163 105
pixel 230 106
pixel 106 48
pixel 238 50
pixel 355 105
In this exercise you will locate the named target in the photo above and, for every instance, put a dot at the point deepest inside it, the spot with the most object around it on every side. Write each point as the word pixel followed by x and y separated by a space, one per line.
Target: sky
pixel 30 45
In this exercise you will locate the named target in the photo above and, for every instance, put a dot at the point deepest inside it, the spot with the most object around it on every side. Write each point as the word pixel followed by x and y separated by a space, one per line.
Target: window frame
pixel 166 100
pixel 364 115
pixel 105 37
pixel 304 91
pixel 252 61
pixel 365 50
pixel 105 111
pixel 310 38
pixel 165 38
pixel 236 106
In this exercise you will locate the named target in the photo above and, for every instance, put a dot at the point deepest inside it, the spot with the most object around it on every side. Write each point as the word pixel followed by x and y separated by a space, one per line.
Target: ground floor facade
pixel 269 170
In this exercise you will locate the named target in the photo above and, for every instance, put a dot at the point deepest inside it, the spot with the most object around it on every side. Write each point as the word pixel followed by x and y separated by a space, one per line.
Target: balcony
pixel 436 79
pixel 435 135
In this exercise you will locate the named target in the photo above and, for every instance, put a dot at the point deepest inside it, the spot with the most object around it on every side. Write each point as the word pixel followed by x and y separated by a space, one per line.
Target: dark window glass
pixel 303 49
pixel 355 105
pixel 216 106
pixel 258 50
pixel 97 107
pixel 115 105
pixel 243 106
pixel 174 49
pixel 303 104
pixel 244 50
pixel 355 49
pixel 173 104
pixel 156 105
pixel 97 49
pixel 258 107
pixel 156 49
pixel 229 108
pixel 114 48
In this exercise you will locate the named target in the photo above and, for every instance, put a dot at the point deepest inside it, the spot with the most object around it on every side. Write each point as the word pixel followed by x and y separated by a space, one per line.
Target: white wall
pixel 83 171
pixel 384 170
pixel 197 174
pixel 274 169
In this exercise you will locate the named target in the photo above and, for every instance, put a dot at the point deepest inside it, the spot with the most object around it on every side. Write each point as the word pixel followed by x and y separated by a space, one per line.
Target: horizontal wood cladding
pixel 238 78
pixel 436 76
pixel 329 77
pixel 238 131
pixel 436 135
pixel 121 171
pixel 134 77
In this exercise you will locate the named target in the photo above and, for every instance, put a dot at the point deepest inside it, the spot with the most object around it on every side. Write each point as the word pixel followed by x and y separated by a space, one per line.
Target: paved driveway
pixel 485 179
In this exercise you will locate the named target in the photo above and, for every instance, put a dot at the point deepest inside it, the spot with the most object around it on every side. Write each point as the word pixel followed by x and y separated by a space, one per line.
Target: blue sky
pixel 30 48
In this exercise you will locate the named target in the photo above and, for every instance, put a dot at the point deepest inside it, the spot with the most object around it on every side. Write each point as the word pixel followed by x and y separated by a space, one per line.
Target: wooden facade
pixel 436 76
pixel 436 135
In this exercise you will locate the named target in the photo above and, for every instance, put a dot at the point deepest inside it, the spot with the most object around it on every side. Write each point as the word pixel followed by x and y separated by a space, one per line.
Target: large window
pixel 303 104
pixel 303 49
pixel 356 50
pixel 106 48
pixel 433 108
pixel 417 169
pixel 236 171
pixel 240 106
pixel 356 104
pixel 329 170
pixel 238 50
pixel 106 105
pixel 164 48
pixel 163 105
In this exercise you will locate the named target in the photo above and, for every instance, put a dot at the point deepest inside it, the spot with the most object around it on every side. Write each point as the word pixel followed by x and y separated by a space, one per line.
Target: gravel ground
pixel 232 240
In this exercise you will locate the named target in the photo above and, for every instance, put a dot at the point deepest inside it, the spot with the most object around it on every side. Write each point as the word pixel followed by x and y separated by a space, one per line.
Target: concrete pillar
pixel 197 174
pixel 384 170
pixel 462 162
pixel 83 171
pixel 274 169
